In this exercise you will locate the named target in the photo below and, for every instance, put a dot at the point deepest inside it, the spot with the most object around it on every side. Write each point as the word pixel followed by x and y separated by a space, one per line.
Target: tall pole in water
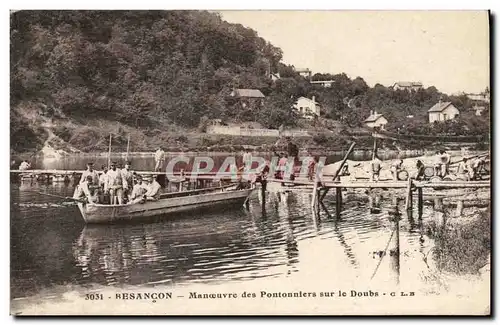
pixel 109 152
pixel 128 146
pixel 394 250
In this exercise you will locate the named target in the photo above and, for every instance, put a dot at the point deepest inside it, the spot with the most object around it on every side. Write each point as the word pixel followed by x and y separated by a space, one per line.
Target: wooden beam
pixel 340 168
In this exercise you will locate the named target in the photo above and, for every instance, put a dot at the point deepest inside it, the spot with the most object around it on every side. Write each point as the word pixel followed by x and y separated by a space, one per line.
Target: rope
pixel 385 251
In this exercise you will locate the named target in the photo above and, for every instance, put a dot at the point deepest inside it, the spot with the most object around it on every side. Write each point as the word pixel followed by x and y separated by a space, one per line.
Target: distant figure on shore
pixel 476 167
pixel 159 159
pixel 437 164
pixel 463 168
pixel 376 166
pixel 445 162
pixel 24 165
pixel 396 167
pixel 247 159
pixel 292 149
pixel 90 172
pixel 420 171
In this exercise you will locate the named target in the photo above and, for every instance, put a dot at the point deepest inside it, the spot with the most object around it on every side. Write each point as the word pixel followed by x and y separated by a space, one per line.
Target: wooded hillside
pixel 152 72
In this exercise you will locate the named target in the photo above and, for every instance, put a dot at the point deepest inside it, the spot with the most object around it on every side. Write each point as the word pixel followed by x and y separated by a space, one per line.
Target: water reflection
pixel 277 236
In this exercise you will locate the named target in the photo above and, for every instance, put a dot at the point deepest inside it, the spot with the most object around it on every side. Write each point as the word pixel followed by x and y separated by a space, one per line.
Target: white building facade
pixel 442 111
pixel 307 108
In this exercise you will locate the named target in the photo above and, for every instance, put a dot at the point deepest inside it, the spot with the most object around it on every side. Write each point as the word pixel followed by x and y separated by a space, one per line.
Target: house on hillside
pixel 248 97
pixel 407 85
pixel 442 111
pixel 482 97
pixel 325 83
pixel 304 72
pixel 307 108
pixel 275 76
pixel 375 121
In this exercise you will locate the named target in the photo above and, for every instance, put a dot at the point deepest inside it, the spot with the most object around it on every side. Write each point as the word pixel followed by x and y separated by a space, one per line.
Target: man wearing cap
pixel 90 172
pixel 87 189
pixel 159 159
pixel 153 192
pixel 115 184
pixel 137 195
pixel 103 180
pixel 103 177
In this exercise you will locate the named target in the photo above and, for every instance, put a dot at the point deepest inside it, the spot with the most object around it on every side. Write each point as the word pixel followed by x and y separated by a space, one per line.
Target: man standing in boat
pixel 90 172
pixel 103 179
pixel 128 179
pixel 159 159
pixel 115 184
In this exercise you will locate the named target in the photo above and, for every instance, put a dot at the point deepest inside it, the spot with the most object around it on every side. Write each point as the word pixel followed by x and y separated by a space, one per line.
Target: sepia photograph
pixel 225 162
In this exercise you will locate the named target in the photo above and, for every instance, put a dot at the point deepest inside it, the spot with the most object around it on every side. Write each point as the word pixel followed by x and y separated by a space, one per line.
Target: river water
pixel 53 251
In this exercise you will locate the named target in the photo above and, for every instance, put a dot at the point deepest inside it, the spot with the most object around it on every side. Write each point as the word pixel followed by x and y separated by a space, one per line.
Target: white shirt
pixel 94 174
pixel 159 155
pixel 247 156
pixel 114 178
pixel 463 167
pixel 24 165
pixel 127 176
pixel 153 189
pixel 138 190
pixel 103 179
pixel 376 164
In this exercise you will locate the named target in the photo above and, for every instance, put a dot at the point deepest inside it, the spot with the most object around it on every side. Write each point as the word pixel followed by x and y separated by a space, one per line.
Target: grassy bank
pixel 93 136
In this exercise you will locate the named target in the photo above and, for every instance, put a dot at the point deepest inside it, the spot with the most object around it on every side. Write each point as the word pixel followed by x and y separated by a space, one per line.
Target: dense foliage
pixel 151 70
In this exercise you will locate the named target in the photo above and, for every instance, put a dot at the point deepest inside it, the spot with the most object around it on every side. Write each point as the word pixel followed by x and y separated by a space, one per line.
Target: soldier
pixel 159 159
pixel 115 184
pixel 88 189
pixel 128 179
pixel 90 172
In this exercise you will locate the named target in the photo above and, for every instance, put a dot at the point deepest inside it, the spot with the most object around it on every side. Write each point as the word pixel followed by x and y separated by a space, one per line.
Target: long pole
pixel 109 152
pixel 374 147
pixel 340 168
pixel 128 146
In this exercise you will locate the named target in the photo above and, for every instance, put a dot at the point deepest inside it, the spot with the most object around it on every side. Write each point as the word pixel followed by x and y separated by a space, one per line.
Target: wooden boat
pixel 167 204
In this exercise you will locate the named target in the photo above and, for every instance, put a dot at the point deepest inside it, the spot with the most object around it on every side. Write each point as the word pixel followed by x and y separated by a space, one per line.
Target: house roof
pixel 313 101
pixel 373 117
pixel 439 107
pixel 253 93
pixel 408 84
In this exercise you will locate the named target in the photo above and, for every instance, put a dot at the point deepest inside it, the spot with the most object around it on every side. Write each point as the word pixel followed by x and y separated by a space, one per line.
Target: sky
pixel 445 49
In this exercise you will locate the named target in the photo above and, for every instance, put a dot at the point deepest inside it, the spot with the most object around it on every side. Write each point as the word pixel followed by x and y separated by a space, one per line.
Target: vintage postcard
pixel 250 162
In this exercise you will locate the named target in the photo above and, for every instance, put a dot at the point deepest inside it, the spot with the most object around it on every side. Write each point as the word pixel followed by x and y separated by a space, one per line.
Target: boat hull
pixel 97 213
